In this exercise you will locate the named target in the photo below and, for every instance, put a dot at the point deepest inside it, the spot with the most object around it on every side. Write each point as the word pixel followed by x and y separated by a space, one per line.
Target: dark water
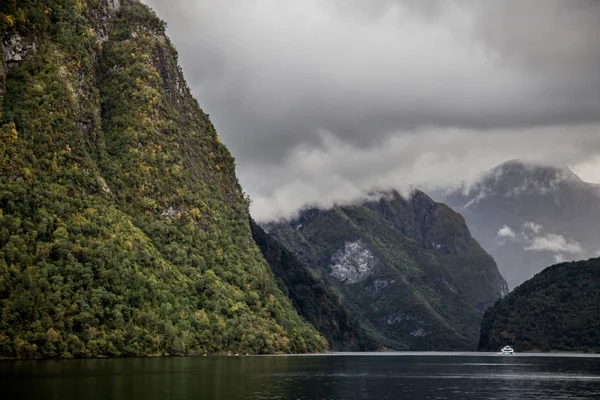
pixel 344 376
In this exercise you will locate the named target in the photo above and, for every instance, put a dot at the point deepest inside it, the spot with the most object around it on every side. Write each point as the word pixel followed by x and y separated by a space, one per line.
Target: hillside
pixel 316 302
pixel 557 310
pixel 407 269
pixel 530 215
pixel 123 229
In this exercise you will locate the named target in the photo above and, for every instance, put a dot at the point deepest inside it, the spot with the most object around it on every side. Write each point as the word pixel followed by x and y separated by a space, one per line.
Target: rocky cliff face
pixel 314 300
pixel 123 230
pixel 529 216
pixel 407 268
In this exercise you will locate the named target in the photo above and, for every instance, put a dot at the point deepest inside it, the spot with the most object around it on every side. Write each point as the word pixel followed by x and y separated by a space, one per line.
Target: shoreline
pixel 556 354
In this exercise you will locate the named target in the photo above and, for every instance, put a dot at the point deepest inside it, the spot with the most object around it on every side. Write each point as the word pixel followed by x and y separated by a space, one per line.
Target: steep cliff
pixel 408 269
pixel 315 301
pixel 123 230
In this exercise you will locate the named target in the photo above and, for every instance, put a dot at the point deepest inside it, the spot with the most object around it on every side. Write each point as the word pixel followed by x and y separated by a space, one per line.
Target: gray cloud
pixel 321 100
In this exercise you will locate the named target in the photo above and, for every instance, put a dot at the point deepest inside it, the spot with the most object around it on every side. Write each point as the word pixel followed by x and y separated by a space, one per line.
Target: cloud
pixel 556 244
pixel 559 258
pixel 533 238
pixel 320 100
pixel 337 170
pixel 506 232
pixel 533 227
pixel 589 170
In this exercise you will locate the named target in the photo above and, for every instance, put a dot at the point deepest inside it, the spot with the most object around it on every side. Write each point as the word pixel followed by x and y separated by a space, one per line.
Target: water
pixel 328 377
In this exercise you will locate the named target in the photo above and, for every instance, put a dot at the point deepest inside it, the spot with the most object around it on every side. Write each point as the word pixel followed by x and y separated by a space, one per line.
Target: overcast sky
pixel 322 100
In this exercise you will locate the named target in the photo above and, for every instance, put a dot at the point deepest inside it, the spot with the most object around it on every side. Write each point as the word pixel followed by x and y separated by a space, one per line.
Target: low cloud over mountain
pixel 320 100
pixel 529 216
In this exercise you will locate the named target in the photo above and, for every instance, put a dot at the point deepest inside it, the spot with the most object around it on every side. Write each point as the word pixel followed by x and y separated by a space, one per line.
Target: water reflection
pixel 425 376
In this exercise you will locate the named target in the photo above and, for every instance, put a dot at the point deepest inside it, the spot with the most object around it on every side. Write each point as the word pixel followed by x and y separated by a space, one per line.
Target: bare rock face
pixel 103 16
pixel 16 49
pixel 114 5
pixel 354 263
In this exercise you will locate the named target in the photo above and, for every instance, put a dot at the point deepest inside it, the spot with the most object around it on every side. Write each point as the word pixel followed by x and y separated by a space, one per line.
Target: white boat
pixel 507 350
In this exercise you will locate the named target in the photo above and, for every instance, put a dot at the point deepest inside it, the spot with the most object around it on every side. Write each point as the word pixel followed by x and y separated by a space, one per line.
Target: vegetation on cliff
pixel 316 302
pixel 123 230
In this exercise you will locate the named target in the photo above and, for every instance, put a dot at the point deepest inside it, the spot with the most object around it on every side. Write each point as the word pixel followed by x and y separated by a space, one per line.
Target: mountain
pixel 557 310
pixel 408 269
pixel 529 216
pixel 317 303
pixel 123 229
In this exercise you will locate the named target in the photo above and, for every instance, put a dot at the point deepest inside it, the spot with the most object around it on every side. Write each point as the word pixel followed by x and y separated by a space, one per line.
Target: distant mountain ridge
pixel 530 215
pixel 408 269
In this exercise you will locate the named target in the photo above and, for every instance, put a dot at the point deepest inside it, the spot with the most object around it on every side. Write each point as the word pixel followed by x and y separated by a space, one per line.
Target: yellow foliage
pixel 54 164
pixel 93 332
pixel 8 134
pixel 27 174
pixel 7 21
pixel 201 317
pixel 195 213
pixel 176 169
pixel 79 6
pixel 52 335
pixel 8 139
pixel 79 219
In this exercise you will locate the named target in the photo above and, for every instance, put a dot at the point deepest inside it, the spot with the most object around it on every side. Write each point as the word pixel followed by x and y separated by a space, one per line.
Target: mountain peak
pixel 518 194
pixel 517 177
pixel 536 170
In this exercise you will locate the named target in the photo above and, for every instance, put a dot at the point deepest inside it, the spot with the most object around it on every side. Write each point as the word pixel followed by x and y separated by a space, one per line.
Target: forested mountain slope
pixel 123 230
pixel 315 301
pixel 557 310
pixel 408 269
